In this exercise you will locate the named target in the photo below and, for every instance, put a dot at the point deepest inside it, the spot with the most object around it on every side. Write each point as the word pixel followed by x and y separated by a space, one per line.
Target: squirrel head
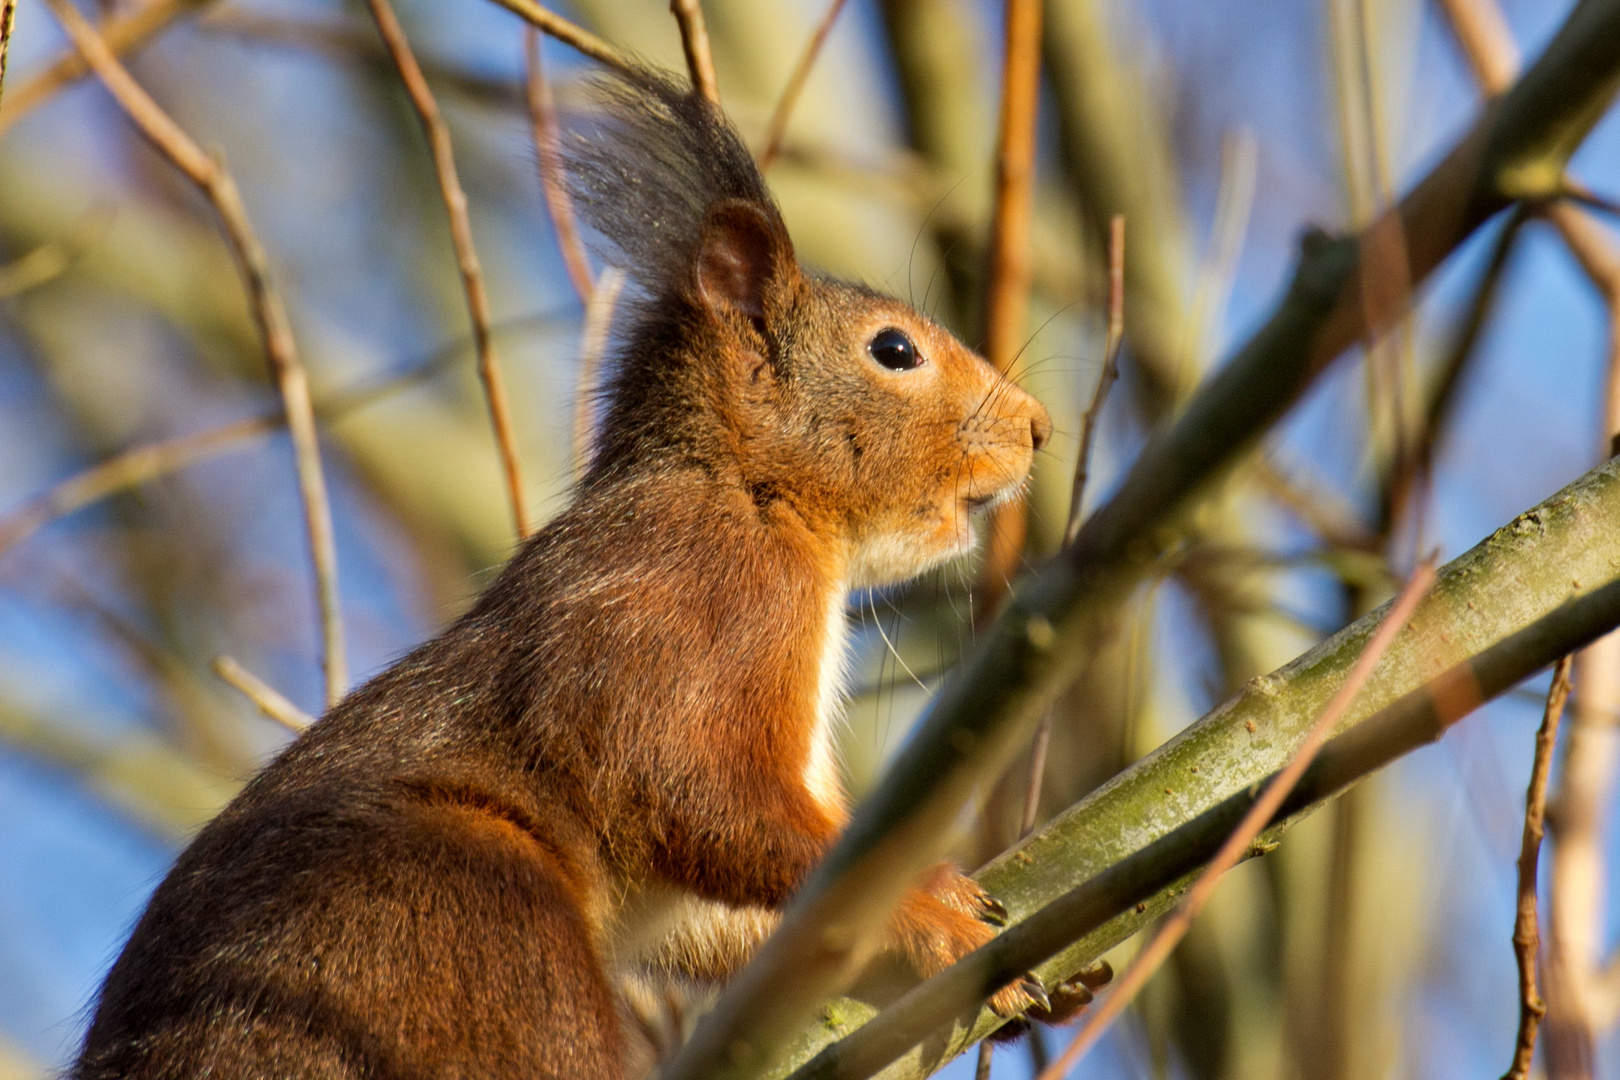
pixel 818 398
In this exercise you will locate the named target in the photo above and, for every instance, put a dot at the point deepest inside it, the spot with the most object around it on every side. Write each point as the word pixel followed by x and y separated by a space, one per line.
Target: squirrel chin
pixel 891 558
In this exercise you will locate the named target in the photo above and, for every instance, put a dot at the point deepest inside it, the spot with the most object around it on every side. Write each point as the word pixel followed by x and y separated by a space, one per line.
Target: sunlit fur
pixel 622 757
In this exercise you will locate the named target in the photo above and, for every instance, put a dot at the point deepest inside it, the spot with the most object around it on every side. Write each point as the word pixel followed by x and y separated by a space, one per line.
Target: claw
pixel 1097 975
pixel 1078 993
pixel 992 911
pixel 1032 987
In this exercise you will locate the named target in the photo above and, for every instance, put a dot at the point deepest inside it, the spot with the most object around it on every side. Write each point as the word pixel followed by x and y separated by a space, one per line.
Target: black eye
pixel 894 350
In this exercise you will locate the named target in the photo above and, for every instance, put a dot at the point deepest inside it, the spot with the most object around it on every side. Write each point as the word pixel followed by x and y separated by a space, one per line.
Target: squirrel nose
pixel 1040 429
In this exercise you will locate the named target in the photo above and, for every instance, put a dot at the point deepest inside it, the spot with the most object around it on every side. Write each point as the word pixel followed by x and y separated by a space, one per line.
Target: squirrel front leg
pixel 769 847
pixel 945 917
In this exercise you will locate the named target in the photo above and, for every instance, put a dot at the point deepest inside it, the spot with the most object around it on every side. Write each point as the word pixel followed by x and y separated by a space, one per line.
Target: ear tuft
pixel 742 252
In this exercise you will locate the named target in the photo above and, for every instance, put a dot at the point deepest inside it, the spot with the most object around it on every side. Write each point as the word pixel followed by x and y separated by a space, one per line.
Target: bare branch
pixel 269 313
pixel 127 470
pixel 1105 379
pixel 695 43
pixel 1008 278
pixel 777 129
pixel 548 155
pixel 568 33
pixel 269 700
pixel 472 274
pixel 1526 929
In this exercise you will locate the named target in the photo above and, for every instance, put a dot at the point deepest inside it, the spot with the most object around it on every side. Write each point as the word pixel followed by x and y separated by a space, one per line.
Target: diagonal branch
pixel 695 43
pixel 568 33
pixel 548 155
pixel 269 313
pixel 472 274
pixel 1039 643
pixel 270 701
pixel 777 129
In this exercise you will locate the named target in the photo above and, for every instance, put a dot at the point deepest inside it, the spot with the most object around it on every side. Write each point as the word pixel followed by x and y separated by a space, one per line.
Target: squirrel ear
pixel 741 251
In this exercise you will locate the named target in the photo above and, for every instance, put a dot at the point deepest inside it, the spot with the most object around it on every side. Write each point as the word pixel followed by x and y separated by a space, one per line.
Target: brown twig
pixel 695 43
pixel 472 274
pixel 777 130
pixel 1110 371
pixel 121 33
pixel 269 313
pixel 593 339
pixel 129 469
pixel 1243 837
pixel 269 700
pixel 548 155
pixel 1526 932
pixel 1325 515
pixel 142 464
pixel 51 259
pixel 8 21
pixel 1007 291
pixel 568 33
pixel 351 40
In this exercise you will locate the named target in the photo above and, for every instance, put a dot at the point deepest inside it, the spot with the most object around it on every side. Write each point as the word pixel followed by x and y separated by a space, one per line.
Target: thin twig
pixel 121 33
pixel 593 339
pixel 151 461
pixel 1105 379
pixel 129 469
pixel 1243 837
pixel 8 21
pixel 795 86
pixel 548 155
pixel 1325 515
pixel 269 313
pixel 568 33
pixel 695 43
pixel 351 40
pixel 51 259
pixel 1008 277
pixel 1234 203
pixel 269 700
pixel 1526 931
pixel 1009 273
pixel 472 274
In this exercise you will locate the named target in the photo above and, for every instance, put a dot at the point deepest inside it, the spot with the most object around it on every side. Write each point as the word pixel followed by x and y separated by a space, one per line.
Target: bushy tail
pixel 647 166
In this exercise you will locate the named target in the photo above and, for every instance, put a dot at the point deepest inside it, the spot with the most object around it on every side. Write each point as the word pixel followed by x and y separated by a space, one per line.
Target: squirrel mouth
pixel 979 502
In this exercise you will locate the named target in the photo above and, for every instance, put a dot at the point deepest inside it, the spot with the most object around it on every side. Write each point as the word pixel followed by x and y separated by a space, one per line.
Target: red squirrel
pixel 622 757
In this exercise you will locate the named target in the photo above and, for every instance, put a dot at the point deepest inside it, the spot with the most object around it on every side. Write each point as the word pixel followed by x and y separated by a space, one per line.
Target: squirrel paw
pixel 1059 1005
pixel 960 892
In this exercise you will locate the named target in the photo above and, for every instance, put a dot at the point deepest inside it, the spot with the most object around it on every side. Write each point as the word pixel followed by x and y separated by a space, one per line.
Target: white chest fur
pixel 821 776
